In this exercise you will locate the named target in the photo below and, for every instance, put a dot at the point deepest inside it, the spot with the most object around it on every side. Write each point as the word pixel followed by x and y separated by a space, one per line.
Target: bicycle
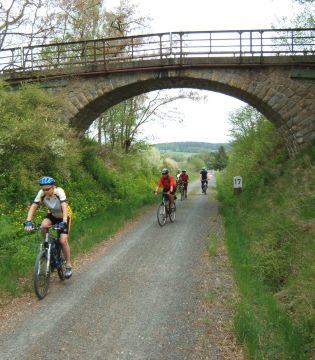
pixel 165 211
pixel 48 259
pixel 182 191
pixel 204 187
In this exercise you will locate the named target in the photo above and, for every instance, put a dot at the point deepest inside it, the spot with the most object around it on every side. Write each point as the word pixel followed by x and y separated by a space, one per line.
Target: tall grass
pixel 260 322
pixel 270 232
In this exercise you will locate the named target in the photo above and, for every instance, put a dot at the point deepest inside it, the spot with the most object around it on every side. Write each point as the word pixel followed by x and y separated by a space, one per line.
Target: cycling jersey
pixel 183 177
pixel 204 174
pixel 167 182
pixel 53 203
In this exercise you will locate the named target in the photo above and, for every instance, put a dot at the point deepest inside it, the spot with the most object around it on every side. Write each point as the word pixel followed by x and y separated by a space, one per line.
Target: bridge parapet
pixel 271 70
pixel 238 46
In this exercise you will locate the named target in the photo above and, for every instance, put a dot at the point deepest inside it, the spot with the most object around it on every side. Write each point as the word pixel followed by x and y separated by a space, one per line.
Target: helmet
pixel 184 170
pixel 164 171
pixel 47 180
pixel 178 171
pixel 204 168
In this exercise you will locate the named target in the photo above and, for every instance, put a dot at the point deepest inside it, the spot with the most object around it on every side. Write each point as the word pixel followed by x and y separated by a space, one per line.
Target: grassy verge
pixel 260 322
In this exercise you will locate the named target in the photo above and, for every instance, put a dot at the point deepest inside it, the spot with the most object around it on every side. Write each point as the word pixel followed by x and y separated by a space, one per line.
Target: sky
pixel 206 122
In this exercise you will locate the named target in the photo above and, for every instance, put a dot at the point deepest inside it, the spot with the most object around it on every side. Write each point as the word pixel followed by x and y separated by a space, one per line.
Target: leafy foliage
pixel 269 229
pixel 35 142
pixel 189 146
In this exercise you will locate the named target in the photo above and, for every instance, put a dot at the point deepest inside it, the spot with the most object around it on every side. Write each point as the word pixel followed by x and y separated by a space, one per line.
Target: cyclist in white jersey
pixel 59 212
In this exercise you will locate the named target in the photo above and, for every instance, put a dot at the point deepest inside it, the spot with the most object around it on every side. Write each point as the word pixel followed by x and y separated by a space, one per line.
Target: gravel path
pixel 151 293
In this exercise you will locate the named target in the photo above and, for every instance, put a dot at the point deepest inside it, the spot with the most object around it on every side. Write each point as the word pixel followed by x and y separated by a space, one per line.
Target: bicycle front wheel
pixel 161 214
pixel 172 213
pixel 41 275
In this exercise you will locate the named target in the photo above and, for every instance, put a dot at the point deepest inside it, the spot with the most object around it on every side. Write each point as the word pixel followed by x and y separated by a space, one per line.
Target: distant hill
pixel 190 146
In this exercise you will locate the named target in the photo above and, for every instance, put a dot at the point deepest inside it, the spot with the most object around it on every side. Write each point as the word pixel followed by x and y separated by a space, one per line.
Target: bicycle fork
pixel 48 254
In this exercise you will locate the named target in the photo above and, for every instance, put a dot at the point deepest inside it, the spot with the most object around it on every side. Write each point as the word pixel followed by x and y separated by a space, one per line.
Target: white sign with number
pixel 237 182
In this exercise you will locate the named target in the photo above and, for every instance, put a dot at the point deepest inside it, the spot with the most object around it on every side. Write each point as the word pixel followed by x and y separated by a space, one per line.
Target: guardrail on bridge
pixel 100 52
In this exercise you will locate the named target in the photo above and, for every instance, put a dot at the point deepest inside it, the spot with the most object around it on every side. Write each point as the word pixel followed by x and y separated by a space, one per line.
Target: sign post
pixel 237 184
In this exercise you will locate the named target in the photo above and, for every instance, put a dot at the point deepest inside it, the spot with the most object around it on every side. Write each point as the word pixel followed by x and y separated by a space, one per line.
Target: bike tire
pixel 41 276
pixel 182 195
pixel 172 214
pixel 161 214
pixel 61 269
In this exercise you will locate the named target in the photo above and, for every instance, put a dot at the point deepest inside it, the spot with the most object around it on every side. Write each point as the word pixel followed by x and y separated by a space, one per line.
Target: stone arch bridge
pixel 271 70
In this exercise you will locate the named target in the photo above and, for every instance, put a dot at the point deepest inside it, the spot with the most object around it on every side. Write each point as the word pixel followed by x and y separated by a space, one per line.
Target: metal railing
pixel 71 56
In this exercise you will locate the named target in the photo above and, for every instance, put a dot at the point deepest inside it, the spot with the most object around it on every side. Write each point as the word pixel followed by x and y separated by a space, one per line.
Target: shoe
pixel 68 272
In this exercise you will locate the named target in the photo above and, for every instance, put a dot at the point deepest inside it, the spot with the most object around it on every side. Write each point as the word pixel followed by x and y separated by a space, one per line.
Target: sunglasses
pixel 47 189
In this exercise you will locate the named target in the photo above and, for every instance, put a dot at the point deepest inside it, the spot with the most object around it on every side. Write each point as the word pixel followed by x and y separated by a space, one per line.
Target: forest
pixel 190 146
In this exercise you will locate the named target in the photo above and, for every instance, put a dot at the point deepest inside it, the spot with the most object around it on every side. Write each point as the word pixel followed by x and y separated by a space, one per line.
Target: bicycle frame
pixel 47 260
pixel 164 210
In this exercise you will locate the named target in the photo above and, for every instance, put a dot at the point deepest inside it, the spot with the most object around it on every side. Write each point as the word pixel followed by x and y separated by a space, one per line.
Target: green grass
pixel 270 232
pixel 260 322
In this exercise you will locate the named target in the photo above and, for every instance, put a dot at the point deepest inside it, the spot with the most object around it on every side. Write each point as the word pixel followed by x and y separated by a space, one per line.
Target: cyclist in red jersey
pixel 169 186
pixel 184 178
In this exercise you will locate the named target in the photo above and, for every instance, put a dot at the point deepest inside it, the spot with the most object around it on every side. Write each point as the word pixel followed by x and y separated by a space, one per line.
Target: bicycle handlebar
pixel 39 226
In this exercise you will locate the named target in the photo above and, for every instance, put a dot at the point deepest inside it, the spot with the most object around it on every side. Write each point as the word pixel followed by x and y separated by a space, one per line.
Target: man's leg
pixel 65 248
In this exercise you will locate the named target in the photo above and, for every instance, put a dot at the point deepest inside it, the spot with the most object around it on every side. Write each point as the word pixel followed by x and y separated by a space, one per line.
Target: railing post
pixel 261 43
pixel 292 42
pixel 131 48
pixel 181 47
pixel 161 49
pixel 171 42
pixel 22 58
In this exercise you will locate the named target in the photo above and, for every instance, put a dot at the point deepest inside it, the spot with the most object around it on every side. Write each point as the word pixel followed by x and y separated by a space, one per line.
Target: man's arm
pixel 64 208
pixel 31 211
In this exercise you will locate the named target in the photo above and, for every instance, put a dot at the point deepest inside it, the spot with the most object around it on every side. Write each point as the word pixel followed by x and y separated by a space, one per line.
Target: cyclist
pixel 168 183
pixel 183 177
pixel 203 176
pixel 59 212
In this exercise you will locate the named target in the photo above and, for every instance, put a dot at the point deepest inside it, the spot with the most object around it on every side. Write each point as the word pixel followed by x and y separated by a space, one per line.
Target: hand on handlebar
pixel 28 225
pixel 62 225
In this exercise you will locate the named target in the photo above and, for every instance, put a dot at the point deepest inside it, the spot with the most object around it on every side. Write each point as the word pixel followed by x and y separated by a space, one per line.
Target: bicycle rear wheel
pixel 182 194
pixel 172 213
pixel 161 215
pixel 41 275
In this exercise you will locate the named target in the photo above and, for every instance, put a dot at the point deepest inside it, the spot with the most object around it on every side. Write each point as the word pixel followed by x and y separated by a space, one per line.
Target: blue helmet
pixel 47 180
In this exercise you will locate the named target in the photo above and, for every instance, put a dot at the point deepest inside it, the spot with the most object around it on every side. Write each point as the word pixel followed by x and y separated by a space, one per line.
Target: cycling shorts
pixel 55 220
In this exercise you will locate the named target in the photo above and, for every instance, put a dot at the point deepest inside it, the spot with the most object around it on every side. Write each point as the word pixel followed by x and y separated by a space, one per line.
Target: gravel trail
pixel 144 297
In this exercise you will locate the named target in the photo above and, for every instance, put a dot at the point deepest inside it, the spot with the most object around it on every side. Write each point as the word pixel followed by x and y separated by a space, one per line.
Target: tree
pixel 25 22
pixel 305 17
pixel 122 124
pixel 33 141
pixel 220 159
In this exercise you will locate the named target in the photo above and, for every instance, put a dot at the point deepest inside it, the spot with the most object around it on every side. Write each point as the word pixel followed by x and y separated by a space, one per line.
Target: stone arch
pixel 289 103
